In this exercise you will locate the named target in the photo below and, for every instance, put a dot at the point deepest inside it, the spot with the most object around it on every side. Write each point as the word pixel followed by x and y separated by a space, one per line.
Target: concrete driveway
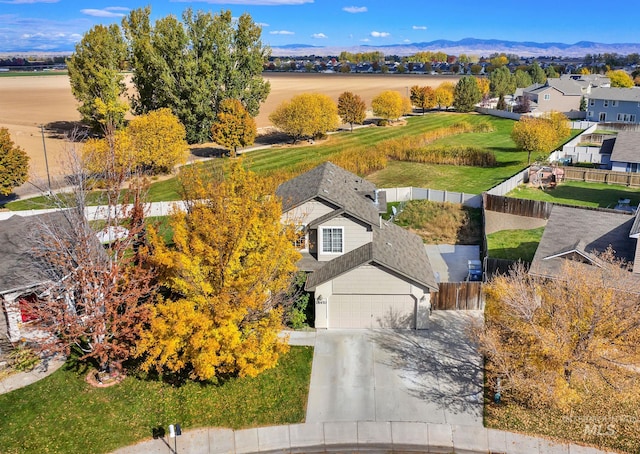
pixel 431 375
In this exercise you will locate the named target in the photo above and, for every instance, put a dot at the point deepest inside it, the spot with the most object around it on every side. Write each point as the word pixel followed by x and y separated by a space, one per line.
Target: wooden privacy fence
pixel 459 296
pixel 601 176
pixel 519 207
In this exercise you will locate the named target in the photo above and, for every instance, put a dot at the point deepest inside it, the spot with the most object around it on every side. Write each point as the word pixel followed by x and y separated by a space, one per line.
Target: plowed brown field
pixel 28 102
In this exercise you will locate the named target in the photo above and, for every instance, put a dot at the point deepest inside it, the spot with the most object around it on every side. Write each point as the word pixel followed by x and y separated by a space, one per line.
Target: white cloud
pixel 111 11
pixel 406 41
pixel 52 35
pixel 250 2
pixel 281 32
pixel 319 36
pixel 419 27
pixel 380 34
pixel 365 40
pixel 262 24
pixel 355 9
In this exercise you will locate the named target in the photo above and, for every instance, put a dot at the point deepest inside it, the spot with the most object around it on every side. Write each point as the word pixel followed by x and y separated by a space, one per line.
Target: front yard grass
pixel 514 244
pixel 62 413
pixel 580 193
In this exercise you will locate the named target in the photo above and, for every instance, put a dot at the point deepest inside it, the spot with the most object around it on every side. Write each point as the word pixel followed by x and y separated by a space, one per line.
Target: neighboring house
pixel 576 233
pixel 23 278
pixel 614 105
pixel 557 94
pixel 588 81
pixel 364 272
pixel 625 153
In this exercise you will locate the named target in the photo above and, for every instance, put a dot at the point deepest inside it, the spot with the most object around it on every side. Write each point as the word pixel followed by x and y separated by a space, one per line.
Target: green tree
pixel 351 108
pixel 14 164
pixel 95 73
pixel 306 115
pixel 466 94
pixel 522 79
pixel 502 82
pixel 537 74
pixel 550 71
pixel 233 127
pixel 389 105
pixel 226 278
pixel 620 78
pixel 193 65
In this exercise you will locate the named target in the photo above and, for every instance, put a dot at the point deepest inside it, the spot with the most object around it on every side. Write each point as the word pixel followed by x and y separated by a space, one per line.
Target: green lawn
pixel 580 193
pixel 514 244
pixel 470 179
pixel 62 413
pixel 32 73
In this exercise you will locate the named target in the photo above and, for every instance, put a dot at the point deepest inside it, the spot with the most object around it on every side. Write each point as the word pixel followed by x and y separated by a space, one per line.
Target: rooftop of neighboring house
pixel 626 147
pixel 595 80
pixel 616 94
pixel 576 233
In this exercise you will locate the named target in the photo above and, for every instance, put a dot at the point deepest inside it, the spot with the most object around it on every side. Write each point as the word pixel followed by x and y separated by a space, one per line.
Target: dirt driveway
pixel 431 375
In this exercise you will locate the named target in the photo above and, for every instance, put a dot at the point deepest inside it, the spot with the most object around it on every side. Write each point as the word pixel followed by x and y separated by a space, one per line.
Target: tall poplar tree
pixel 191 66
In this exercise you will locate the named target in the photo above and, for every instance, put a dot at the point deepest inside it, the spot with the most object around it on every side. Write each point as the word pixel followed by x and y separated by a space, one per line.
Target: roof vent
pixel 324 190
pixel 389 244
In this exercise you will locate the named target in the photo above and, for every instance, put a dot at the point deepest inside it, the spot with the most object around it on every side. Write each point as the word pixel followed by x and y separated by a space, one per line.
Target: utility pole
pixel 46 161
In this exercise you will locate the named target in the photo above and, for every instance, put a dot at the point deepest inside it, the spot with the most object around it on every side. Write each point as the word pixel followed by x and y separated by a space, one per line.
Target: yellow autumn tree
pixel 484 85
pixel 390 105
pixel 233 127
pixel 306 115
pixel 559 342
pixel 620 78
pixel 226 277
pixel 443 95
pixel 540 134
pixel 151 143
pixel 158 140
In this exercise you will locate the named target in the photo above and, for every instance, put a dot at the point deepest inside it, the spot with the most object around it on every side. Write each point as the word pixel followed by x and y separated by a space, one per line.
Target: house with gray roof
pixel 364 272
pixel 557 94
pixel 614 105
pixel 578 234
pixel 625 153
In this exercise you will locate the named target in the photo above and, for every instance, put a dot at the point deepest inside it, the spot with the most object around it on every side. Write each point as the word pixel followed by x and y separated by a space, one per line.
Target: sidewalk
pixel 22 379
pixel 355 436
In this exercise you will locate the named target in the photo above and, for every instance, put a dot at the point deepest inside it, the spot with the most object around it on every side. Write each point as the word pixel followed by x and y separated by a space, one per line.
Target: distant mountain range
pixel 472 46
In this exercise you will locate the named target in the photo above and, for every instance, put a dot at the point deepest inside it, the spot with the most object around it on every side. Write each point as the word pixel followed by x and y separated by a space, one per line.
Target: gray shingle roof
pixel 393 248
pixel 615 93
pixel 626 147
pixel 335 185
pixel 568 87
pixel 18 267
pixel 578 230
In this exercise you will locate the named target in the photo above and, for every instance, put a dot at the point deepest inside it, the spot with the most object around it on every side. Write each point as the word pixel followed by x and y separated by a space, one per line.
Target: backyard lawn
pixel 514 244
pixel 580 193
pixel 62 413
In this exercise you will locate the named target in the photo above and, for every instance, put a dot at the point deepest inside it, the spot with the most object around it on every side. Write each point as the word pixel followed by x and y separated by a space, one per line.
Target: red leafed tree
pixel 96 299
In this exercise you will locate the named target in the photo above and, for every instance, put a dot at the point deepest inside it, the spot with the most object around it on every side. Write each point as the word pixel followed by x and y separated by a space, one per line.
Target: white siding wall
pixel 354 236
pixel 306 213
pixel 369 279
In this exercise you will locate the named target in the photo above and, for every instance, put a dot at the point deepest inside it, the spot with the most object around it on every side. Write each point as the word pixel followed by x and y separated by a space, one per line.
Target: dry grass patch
pixel 441 223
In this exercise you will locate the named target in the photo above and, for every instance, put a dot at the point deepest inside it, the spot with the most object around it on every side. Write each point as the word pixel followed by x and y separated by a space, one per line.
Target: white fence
pixel 509 185
pixel 572 150
pixel 101 212
pixel 433 195
pixel 498 113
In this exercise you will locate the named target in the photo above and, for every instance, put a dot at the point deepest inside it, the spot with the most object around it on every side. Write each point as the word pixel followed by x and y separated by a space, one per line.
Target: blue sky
pixel 48 25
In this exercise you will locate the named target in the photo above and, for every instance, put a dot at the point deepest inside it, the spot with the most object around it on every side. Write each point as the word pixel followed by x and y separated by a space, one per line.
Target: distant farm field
pixel 28 102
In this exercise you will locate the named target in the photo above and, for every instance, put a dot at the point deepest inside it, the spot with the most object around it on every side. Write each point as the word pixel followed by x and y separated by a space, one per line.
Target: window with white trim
pixel 592 102
pixel 614 103
pixel 547 96
pixel 590 114
pixel 605 103
pixel 626 118
pixel 332 239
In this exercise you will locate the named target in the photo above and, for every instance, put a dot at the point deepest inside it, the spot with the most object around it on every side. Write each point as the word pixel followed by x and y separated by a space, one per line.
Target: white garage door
pixel 372 311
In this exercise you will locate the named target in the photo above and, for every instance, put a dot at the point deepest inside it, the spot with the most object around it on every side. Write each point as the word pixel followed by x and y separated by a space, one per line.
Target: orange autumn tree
pixel 226 277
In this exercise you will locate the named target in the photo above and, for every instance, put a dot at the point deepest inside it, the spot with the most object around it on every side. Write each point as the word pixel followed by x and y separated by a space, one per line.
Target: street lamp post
pixel 46 161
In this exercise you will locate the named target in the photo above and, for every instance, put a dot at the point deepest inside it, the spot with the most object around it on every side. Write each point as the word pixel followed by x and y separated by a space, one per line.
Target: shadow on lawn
pixel 605 198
